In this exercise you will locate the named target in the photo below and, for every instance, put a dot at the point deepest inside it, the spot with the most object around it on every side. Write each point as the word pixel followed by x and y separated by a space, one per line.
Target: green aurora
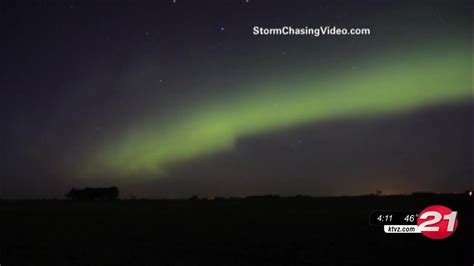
pixel 382 85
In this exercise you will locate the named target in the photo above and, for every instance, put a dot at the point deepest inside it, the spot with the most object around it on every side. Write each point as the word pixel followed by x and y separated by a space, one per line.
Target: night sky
pixel 179 98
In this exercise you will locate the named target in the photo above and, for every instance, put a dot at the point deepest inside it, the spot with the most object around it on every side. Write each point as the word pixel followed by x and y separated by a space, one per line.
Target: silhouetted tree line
pixel 110 193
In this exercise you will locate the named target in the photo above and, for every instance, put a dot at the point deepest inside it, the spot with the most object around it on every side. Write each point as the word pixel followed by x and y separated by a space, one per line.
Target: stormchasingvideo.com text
pixel 309 31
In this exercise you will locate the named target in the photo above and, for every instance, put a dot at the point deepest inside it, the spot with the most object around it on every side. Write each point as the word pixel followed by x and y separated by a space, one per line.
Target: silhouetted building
pixel 110 193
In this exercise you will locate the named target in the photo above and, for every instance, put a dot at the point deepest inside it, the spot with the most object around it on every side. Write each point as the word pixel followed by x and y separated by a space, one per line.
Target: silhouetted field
pixel 257 231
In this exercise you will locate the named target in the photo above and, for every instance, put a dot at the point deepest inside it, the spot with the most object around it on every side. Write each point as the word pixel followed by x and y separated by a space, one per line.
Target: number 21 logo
pixel 437 222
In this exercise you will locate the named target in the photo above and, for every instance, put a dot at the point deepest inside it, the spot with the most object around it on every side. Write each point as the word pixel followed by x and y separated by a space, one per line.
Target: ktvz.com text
pixel 401 229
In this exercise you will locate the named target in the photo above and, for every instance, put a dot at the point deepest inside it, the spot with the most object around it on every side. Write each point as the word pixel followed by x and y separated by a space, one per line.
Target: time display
pixel 385 218
pixel 394 217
